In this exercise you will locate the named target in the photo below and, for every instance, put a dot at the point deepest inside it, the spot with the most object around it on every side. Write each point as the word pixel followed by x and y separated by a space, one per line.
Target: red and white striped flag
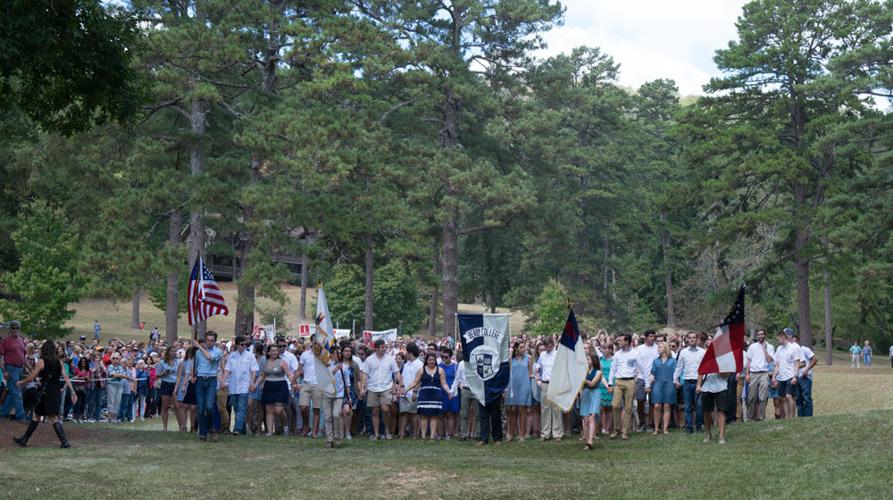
pixel 726 352
pixel 204 297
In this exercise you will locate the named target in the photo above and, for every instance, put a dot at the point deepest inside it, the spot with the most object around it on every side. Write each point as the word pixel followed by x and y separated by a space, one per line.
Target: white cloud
pixel 651 39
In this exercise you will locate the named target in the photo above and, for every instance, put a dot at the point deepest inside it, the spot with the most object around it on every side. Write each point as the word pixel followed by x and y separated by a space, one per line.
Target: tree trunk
pixel 829 341
pixel 302 309
pixel 450 274
pixel 435 295
pixel 198 115
pixel 606 271
pixel 370 275
pixel 245 298
pixel 668 271
pixel 801 240
pixel 172 304
pixel 246 288
pixel 135 309
pixel 491 302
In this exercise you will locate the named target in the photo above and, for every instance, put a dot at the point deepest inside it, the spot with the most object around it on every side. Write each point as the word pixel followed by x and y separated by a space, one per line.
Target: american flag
pixel 726 352
pixel 204 296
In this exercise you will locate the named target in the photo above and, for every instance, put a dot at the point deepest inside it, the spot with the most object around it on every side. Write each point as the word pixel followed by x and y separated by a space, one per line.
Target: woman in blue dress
pixel 591 399
pixel 519 398
pixel 661 388
pixel 432 385
pixel 451 406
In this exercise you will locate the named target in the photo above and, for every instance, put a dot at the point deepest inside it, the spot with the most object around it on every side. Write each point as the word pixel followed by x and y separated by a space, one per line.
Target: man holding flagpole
pixel 568 372
pixel 724 356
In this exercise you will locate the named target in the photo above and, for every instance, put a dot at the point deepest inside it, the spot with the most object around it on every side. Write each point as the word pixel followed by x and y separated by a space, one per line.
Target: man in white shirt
pixel 550 414
pixel 311 394
pixel 645 356
pixel 804 380
pixel 788 361
pixel 622 384
pixel 756 369
pixel 407 402
pixel 687 364
pixel 381 371
pixel 239 373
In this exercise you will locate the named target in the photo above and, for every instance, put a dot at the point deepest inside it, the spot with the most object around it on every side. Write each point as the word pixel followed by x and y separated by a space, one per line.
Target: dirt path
pixel 45 437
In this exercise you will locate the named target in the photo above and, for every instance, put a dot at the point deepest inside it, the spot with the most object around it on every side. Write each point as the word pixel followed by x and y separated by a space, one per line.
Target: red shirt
pixel 12 348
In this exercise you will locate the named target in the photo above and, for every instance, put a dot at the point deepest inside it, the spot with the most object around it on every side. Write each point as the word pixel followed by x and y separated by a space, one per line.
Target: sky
pixel 651 39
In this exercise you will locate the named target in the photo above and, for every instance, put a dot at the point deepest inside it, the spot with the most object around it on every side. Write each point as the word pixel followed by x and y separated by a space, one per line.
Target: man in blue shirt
pixel 207 364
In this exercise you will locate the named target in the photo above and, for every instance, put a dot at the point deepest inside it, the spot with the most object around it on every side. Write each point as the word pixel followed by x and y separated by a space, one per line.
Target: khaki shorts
pixel 311 393
pixel 376 399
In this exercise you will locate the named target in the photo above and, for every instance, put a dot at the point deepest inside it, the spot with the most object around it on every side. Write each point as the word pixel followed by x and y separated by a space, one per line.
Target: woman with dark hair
pixel 274 375
pixel 431 381
pixel 84 379
pixel 185 390
pixel 49 368
pixel 166 370
pixel 519 398
pixel 590 400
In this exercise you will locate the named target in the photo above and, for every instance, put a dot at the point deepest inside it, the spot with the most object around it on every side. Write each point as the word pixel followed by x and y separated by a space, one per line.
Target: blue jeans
pixel 125 412
pixel 692 398
pixel 240 408
pixel 14 374
pixel 804 397
pixel 205 401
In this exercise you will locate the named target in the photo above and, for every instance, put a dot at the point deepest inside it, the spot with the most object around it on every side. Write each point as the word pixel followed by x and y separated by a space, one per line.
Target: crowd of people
pixel 401 389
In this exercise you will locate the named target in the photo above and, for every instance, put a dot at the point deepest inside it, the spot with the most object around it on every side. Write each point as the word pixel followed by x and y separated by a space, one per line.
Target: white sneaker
pixel 707 437
pixel 349 438
pixel 722 440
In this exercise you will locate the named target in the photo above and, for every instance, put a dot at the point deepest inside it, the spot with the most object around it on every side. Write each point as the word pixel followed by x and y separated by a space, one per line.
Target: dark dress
pixel 430 403
pixel 51 388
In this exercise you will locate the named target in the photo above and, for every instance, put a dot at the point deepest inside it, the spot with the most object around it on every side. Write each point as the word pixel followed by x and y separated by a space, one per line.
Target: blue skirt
pixel 275 392
pixel 430 403
pixel 663 393
pixel 590 402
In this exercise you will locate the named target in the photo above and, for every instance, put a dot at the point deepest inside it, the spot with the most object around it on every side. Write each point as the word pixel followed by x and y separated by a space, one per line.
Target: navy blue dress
pixel 430 402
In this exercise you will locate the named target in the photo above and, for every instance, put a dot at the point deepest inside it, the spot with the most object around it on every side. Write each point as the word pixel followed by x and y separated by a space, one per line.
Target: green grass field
pixel 845 451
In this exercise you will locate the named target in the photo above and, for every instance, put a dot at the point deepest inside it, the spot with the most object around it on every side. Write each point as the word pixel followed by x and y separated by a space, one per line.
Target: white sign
pixel 386 335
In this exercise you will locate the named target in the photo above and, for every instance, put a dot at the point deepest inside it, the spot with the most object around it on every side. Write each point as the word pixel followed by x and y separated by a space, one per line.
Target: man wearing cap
pixel 788 361
pixel 12 352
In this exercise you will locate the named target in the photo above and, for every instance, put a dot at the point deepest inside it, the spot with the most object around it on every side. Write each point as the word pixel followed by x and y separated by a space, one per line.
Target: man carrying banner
pixel 485 361
pixel 568 371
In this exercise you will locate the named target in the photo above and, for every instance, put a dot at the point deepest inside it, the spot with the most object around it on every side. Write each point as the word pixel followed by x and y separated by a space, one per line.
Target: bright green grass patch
pixel 832 456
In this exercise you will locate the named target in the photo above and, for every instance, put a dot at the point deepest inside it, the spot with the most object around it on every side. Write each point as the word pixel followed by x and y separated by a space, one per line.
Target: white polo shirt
pixel 240 367
pixel 380 372
pixel 545 363
pixel 808 356
pixel 410 370
pixel 645 357
pixel 787 359
pixel 757 358
pixel 309 367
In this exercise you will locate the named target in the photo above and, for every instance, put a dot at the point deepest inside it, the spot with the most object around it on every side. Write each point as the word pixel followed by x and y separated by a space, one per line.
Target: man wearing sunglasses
pixel 239 373
pixel 12 351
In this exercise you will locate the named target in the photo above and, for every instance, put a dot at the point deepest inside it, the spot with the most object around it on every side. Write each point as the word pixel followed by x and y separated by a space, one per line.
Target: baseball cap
pixel 788 331
pixel 15 324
